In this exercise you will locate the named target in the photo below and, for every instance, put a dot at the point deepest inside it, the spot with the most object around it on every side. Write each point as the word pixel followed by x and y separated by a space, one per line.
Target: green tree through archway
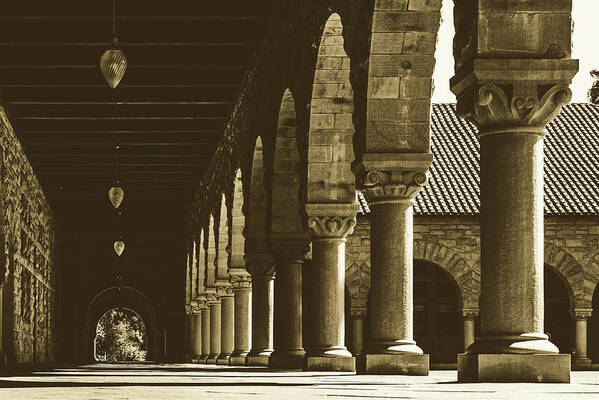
pixel 121 336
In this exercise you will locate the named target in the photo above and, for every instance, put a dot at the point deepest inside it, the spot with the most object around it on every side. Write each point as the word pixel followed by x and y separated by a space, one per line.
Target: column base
pixel 581 364
pixel 223 360
pixel 257 361
pixel 286 362
pixel 211 359
pixel 525 368
pixel 202 360
pixel 318 363
pixel 393 364
pixel 237 360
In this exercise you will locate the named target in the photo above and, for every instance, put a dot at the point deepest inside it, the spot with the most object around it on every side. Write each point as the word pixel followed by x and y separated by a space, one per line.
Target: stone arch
pixel 287 173
pixel 466 278
pixel 330 136
pixel 222 259
pixel 255 221
pixel 237 223
pixel 200 271
pixel 126 297
pixel 580 288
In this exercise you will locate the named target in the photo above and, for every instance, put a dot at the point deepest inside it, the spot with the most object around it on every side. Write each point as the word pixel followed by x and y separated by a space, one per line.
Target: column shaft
pixel 328 279
pixel 469 335
pixel 215 331
pixel 581 317
pixel 357 325
pixel 190 336
pixel 227 329
pixel 391 310
pixel 205 334
pixel 197 336
pixel 511 299
pixel 243 324
pixel 2 355
pixel 262 318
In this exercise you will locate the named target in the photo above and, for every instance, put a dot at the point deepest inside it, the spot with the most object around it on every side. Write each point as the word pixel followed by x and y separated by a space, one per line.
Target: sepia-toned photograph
pixel 299 199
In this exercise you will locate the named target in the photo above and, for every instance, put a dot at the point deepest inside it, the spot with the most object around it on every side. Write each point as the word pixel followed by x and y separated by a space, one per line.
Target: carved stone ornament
pixel 582 313
pixel 470 312
pixel 212 298
pixel 260 265
pixel 358 313
pixel 241 281
pixel 224 291
pixel 331 226
pixel 381 185
pixel 288 249
pixel 496 108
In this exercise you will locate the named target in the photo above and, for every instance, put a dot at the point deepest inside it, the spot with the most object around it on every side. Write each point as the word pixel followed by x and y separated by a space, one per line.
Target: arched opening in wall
pixel 437 327
pixel 121 335
pixel 558 323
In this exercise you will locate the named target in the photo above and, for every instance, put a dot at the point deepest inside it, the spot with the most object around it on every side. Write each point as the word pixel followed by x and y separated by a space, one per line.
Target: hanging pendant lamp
pixel 119 247
pixel 116 195
pixel 113 62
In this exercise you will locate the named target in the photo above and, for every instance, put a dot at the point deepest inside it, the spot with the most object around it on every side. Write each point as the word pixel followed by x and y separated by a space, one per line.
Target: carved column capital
pixel 582 313
pixel 513 95
pixel 290 247
pixel 224 291
pixel 241 281
pixel 260 265
pixel 212 298
pixel 470 312
pixel 331 221
pixel 358 313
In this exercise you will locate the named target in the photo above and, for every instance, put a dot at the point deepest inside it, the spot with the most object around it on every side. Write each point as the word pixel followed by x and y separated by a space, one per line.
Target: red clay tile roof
pixel 571 164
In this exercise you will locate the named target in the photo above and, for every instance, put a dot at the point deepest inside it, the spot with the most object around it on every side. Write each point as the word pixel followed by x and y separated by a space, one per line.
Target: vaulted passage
pixel 269 187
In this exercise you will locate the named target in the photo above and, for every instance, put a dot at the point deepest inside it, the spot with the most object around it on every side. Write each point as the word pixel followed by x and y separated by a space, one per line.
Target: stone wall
pixel 29 266
pixel 453 243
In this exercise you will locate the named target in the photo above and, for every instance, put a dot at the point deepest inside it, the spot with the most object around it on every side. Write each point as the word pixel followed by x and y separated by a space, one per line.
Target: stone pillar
pixel 190 334
pixel 289 255
pixel 511 101
pixel 196 352
pixel 357 330
pixel 263 274
pixel 469 316
pixel 581 316
pixel 215 328
pixel 227 324
pixel 329 226
pixel 242 288
pixel 391 184
pixel 2 354
pixel 205 334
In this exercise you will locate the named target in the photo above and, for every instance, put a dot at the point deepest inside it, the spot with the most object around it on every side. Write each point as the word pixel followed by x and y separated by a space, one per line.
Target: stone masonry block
pixel 401 65
pixel 405 21
pixel 424 5
pixel 322 121
pixel 419 43
pixel 387 43
pixel 391 5
pixel 414 87
pixel 384 87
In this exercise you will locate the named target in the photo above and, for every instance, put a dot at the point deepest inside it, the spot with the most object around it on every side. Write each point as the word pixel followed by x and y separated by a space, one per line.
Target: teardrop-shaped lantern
pixel 113 64
pixel 119 247
pixel 116 195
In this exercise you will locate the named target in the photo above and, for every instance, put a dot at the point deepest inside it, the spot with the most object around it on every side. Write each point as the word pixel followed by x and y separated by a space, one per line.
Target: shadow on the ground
pixel 33 384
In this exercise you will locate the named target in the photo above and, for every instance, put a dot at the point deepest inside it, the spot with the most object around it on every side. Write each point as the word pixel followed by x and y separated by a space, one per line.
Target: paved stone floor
pixel 187 381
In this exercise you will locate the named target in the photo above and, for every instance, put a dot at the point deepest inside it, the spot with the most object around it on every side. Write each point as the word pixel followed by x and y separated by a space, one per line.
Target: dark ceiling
pixel 186 62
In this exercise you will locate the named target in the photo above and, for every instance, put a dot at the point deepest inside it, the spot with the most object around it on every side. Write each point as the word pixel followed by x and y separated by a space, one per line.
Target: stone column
pixel 262 269
pixel 391 185
pixel 3 360
pixel 242 288
pixel 205 334
pixel 329 225
pixel 227 324
pixel 581 316
pixel 511 102
pixel 190 334
pixel 289 256
pixel 215 328
pixel 196 352
pixel 469 315
pixel 357 330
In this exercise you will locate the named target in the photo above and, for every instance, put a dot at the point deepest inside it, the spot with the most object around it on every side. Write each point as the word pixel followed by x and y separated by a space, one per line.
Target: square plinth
pixel 581 364
pixel 222 361
pixel 393 364
pixel 346 364
pixel 523 368
pixel 286 362
pixel 258 361
pixel 237 360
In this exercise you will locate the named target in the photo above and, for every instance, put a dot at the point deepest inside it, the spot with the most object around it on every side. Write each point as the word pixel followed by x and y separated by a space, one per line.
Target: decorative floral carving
pixel 224 291
pixel 261 265
pixel 582 313
pixel 241 281
pixel 331 226
pixel 288 249
pixel 493 107
pixel 470 312
pixel 383 185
